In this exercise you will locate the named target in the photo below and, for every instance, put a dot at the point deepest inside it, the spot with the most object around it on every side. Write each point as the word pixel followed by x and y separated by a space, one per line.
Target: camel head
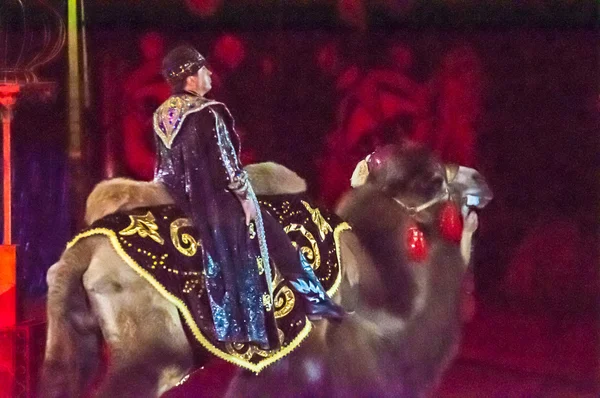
pixel 409 174
pixel 407 317
pixel 405 191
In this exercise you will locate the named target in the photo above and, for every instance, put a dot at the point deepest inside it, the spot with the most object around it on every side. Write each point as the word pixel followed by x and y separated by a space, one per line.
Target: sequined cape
pixel 198 149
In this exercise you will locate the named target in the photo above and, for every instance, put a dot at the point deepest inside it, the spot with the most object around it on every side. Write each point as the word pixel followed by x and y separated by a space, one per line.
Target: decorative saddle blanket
pixel 158 243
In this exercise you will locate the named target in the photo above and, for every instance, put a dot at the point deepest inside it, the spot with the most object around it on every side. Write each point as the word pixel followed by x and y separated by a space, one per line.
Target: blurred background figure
pixel 226 57
pixel 144 90
pixel 549 271
pixel 454 106
pixel 204 8
pixel 229 62
pixel 385 106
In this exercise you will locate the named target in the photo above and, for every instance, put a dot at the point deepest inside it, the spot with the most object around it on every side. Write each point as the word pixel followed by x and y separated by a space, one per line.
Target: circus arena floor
pixel 503 354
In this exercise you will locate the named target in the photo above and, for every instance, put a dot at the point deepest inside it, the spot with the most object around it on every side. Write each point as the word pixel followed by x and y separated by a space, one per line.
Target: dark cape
pixel 198 159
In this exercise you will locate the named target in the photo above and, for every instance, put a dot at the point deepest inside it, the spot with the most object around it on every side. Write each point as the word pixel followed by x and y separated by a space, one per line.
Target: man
pixel 198 162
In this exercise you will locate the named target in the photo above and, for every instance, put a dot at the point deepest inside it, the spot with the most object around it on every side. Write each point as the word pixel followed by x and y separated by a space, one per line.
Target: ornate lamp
pixel 32 34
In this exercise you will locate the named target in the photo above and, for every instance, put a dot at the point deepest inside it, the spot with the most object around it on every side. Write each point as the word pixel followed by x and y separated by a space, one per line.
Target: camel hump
pixel 119 194
pixel 270 178
pixel 116 194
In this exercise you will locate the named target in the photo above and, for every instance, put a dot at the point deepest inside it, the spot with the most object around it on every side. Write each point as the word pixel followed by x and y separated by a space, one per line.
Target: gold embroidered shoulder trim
pixel 186 313
pixel 169 117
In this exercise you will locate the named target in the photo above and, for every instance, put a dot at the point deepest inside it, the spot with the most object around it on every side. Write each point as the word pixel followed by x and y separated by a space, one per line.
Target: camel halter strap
pixel 414 210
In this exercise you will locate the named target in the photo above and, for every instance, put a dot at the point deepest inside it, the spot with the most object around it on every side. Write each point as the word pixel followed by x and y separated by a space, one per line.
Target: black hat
pixel 181 62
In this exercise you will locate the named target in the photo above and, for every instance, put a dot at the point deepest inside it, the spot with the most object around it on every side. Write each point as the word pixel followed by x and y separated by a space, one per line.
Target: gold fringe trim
pixel 336 237
pixel 189 319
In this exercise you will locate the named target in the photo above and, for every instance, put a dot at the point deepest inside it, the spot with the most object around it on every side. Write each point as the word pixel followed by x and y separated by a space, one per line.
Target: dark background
pixel 531 73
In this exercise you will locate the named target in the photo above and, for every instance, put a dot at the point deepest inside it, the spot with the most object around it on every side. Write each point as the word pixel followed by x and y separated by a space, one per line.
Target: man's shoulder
pixel 182 104
pixel 170 116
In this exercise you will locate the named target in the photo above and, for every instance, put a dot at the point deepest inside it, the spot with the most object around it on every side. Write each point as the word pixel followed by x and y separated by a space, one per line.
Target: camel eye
pixel 430 186
pixel 396 187
pixel 437 182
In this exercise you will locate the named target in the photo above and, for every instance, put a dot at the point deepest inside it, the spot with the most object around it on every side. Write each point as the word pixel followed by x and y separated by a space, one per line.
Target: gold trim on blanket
pixel 187 316
pixel 336 236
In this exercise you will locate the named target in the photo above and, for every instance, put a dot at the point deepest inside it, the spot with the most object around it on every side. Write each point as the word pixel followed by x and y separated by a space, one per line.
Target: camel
pixel 401 331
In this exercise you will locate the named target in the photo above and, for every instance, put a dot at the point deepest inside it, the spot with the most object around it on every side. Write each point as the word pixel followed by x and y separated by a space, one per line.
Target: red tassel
pixel 451 224
pixel 416 246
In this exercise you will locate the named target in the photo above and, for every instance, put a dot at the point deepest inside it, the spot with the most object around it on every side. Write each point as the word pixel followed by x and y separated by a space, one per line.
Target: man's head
pixel 184 68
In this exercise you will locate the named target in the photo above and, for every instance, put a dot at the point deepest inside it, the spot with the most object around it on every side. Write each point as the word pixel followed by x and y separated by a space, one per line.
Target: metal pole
pixel 6 185
pixel 77 168
pixel 8 98
pixel 74 81
pixel 8 263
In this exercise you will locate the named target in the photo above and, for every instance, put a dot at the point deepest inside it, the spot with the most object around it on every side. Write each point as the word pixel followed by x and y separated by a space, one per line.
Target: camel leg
pixel 73 344
pixel 466 241
pixel 352 258
pixel 148 349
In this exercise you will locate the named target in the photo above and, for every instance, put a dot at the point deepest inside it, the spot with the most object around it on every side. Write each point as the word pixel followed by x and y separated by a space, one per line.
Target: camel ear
pixel 451 171
pixel 360 174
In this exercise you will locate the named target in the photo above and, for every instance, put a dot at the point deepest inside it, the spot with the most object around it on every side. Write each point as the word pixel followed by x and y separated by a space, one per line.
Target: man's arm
pixel 225 168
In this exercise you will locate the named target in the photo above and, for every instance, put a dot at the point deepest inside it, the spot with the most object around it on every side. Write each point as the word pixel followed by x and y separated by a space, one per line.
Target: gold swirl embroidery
pixel 167 119
pixel 252 230
pixel 187 239
pixel 260 265
pixel 312 254
pixel 247 350
pixel 285 300
pixel 145 226
pixel 267 302
pixel 319 220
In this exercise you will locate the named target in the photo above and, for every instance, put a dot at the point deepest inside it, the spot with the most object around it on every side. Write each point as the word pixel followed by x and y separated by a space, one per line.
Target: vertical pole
pixel 7 180
pixel 87 99
pixel 78 177
pixel 8 98
pixel 8 263
pixel 8 260
pixel 74 81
